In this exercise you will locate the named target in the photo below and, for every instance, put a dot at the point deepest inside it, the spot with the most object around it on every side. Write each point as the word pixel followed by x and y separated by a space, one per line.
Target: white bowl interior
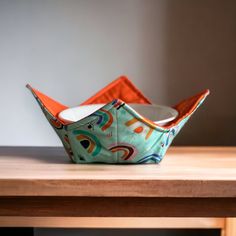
pixel 157 113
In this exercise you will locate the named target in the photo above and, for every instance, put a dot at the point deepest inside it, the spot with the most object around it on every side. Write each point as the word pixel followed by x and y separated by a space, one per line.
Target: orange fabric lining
pixel 121 88
pixel 52 106
pixel 187 106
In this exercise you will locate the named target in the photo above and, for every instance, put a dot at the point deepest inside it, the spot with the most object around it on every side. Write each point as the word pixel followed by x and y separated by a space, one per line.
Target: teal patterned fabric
pixel 115 134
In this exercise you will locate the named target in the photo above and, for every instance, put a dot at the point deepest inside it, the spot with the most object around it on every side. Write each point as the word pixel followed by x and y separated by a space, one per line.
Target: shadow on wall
pixel 200 52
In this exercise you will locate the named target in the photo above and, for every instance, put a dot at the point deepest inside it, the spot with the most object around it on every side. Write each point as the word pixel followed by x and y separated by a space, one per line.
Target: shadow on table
pixel 55 155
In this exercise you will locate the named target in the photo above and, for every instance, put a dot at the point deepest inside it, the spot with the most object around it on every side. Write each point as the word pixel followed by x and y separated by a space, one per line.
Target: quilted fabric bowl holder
pixel 116 133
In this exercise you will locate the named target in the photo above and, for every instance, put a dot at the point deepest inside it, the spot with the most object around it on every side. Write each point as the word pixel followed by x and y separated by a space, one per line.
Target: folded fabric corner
pixel 187 107
pixel 121 88
pixel 47 104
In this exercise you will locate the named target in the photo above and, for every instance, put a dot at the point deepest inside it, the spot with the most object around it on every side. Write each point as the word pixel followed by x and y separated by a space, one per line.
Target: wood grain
pixel 230 229
pixel 113 222
pixel 191 172
pixel 117 207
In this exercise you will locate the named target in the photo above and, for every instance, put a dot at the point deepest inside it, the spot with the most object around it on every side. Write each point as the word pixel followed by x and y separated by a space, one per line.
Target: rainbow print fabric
pixel 116 133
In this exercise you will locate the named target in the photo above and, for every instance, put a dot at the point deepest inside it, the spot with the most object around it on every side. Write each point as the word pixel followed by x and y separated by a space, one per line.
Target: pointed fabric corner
pixel 116 133
pixel 121 88
pixel 47 104
pixel 187 107
pixel 51 109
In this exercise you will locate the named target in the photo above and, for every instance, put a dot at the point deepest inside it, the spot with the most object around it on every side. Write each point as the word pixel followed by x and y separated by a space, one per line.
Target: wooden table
pixel 40 182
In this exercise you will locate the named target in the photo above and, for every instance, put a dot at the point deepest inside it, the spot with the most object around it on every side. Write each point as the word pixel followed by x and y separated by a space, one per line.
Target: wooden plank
pixel 114 222
pixel 119 188
pixel 117 207
pixel 230 229
pixel 184 172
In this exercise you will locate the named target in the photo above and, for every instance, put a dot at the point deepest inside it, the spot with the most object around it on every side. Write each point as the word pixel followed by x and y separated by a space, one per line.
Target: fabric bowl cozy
pixel 116 133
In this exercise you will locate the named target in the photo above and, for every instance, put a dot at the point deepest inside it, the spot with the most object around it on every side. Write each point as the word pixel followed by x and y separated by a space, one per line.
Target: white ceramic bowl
pixel 157 113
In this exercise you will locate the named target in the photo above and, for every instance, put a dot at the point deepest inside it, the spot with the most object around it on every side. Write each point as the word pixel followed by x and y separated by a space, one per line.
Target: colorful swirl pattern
pixel 150 158
pixel 88 141
pixel 56 123
pixel 105 118
pixel 129 152
pixel 132 137
pixel 139 129
pixel 171 133
pixel 68 148
pixel 118 104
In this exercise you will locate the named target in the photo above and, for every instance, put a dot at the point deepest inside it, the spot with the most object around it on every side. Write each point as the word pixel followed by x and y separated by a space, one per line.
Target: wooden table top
pixel 184 172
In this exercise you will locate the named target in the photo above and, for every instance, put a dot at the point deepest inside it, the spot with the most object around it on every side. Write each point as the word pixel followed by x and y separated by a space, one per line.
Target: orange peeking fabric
pixel 187 106
pixel 116 127
pixel 51 105
pixel 121 88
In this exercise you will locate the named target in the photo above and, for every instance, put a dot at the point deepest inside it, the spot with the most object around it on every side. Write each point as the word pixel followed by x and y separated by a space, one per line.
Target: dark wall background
pixel 201 53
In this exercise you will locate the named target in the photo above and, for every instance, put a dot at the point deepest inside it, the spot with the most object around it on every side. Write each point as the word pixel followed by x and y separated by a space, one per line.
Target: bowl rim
pixel 174 113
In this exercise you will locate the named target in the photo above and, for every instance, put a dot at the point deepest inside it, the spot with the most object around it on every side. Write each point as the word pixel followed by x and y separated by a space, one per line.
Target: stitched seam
pixel 116 134
pixel 79 123
pixel 155 127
